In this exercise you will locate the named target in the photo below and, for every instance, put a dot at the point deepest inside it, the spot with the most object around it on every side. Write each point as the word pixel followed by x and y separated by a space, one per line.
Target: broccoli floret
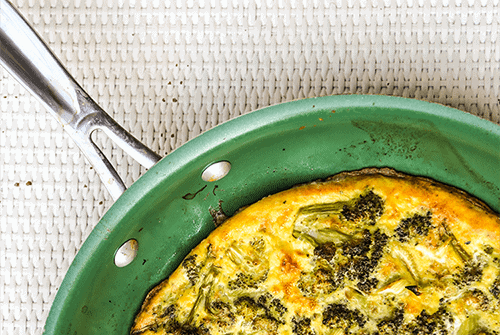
pixel 379 242
pixel 360 269
pixel 265 323
pixel 477 299
pixel 411 226
pixel 245 281
pixel 302 326
pixel 176 328
pixel 248 307
pixel 471 273
pixel 253 267
pixel 169 324
pixel 221 316
pixel 273 306
pixel 431 324
pixel 256 314
pixel 368 207
pixel 168 312
pixel 326 251
pixel 313 223
pixel 321 281
pixel 495 287
pixel 392 326
pixel 367 285
pixel 192 268
pixel 339 316
pixel 358 247
pixel 362 263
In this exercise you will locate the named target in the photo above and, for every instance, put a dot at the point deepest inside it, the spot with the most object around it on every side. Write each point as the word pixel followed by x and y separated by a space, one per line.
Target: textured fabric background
pixel 169 70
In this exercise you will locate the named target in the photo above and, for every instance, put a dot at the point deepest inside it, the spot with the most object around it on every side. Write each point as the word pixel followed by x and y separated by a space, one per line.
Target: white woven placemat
pixel 169 70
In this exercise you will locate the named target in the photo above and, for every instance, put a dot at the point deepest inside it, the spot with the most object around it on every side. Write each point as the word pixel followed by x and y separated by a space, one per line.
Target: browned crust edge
pixel 390 172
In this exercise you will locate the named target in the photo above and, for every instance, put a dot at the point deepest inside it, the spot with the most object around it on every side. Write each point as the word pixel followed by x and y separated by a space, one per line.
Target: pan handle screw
pixel 126 253
pixel 216 171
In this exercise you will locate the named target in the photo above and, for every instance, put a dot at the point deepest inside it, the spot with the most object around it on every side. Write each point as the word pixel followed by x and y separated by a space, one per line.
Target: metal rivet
pixel 216 171
pixel 126 253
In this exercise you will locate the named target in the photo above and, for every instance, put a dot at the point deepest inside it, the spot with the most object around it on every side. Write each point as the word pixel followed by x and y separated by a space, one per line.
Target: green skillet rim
pixel 148 183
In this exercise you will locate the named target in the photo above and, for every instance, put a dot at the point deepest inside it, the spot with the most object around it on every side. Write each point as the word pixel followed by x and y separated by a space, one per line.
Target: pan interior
pixel 170 209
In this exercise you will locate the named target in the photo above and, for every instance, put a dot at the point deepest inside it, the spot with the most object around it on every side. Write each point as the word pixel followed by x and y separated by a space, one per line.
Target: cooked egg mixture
pixel 369 252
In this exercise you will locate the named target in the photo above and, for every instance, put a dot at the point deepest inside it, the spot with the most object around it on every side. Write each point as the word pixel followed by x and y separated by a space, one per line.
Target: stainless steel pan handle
pixel 29 60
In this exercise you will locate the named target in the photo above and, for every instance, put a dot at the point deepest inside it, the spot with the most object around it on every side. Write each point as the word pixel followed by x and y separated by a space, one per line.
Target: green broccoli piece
pixel 392 325
pixel 481 300
pixel 257 315
pixel 367 207
pixel 253 267
pixel 358 247
pixel 325 251
pixel 339 316
pixel 321 281
pixel 302 326
pixel 495 288
pixel 245 281
pixel 192 268
pixel 431 324
pixel 364 258
pixel 176 328
pixel 412 226
pixel 221 315
pixel 274 307
pixel 170 325
pixel 471 273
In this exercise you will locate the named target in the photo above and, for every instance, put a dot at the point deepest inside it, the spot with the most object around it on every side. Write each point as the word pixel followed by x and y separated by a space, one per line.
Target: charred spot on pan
pixel 218 215
pixel 191 196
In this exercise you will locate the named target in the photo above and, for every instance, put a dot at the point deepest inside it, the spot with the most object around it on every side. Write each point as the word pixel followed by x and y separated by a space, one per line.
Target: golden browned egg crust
pixel 365 252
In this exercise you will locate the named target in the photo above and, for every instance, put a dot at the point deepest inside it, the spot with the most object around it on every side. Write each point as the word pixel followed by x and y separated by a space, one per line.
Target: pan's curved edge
pixel 148 184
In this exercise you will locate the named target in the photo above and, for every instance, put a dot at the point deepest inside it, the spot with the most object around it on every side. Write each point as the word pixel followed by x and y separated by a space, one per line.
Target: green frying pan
pixel 169 210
